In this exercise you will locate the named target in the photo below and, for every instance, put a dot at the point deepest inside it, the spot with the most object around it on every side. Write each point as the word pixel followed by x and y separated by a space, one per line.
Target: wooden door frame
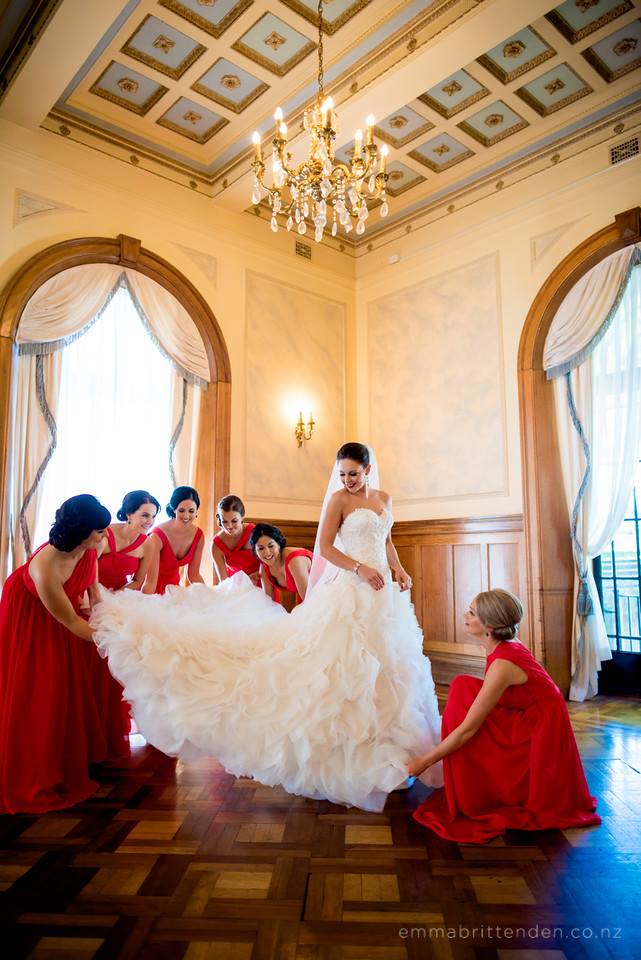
pixel 212 464
pixel 550 564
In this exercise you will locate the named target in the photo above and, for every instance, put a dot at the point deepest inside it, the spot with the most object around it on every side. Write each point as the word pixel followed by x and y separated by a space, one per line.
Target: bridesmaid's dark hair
pixel 75 519
pixel 354 451
pixel 180 494
pixel 500 612
pixel 133 501
pixel 266 530
pixel 230 502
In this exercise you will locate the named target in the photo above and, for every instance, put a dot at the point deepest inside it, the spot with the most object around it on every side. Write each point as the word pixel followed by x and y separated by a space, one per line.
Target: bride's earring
pixel 367 485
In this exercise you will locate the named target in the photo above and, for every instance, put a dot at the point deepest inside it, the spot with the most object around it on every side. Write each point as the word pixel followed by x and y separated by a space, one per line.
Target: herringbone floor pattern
pixel 174 861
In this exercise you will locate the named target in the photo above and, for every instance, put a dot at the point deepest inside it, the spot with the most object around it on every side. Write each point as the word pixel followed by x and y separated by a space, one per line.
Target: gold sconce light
pixel 303 431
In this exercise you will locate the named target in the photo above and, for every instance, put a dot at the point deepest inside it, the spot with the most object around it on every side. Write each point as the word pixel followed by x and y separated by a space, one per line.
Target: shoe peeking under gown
pixel 330 701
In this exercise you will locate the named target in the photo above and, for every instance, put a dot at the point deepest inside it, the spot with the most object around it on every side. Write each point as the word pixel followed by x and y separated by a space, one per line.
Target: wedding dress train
pixel 329 701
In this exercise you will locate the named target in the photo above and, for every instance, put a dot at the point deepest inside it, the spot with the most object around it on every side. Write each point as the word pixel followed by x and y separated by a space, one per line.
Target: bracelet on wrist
pixel 357 566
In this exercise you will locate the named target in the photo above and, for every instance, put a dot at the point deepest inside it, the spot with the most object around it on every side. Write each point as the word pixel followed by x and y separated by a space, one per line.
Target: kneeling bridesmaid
pixel 50 728
pixel 510 757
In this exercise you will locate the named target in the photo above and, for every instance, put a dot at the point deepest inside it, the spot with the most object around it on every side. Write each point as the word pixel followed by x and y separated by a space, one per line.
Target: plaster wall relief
pixel 295 361
pixel 437 408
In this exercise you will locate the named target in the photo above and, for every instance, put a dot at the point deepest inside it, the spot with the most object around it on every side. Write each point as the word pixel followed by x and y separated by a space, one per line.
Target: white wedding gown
pixel 330 701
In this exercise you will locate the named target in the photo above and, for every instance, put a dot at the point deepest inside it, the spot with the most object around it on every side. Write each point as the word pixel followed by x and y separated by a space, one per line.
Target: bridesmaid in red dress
pixel 281 567
pixel 510 757
pixel 231 550
pixel 50 730
pixel 176 543
pixel 124 563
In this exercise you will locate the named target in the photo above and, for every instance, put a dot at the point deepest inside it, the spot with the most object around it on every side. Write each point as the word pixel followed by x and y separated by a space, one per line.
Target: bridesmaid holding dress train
pixel 50 729
pixel 281 567
pixel 231 550
pixel 123 564
pixel 176 543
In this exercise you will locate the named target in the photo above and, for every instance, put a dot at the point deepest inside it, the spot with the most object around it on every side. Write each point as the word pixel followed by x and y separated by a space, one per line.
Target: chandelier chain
pixel 320 50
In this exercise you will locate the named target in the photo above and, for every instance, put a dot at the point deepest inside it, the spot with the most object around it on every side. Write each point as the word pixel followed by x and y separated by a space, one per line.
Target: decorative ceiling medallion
pixel 454 94
pixel 395 175
pixel 288 47
pixel 451 88
pixel 232 90
pixel 542 94
pixel 202 123
pixel 214 25
pixel 398 122
pixel 274 40
pixel 402 178
pixel 498 117
pixel 514 49
pixel 618 54
pixel 164 43
pixel 185 49
pixel 569 17
pixel 627 45
pixel 517 55
pixel 140 93
pixel 433 153
pixel 127 85
pixel 330 25
pixel 411 123
pixel 554 85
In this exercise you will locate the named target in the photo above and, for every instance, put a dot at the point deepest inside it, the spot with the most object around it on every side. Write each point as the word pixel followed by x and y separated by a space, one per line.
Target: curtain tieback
pixel 584 605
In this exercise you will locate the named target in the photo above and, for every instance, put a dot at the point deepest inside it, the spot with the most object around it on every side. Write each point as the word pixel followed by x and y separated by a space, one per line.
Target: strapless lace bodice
pixel 363 534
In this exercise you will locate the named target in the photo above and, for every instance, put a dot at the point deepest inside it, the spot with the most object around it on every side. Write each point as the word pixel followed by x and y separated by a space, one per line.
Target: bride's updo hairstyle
pixel 500 612
pixel 133 501
pixel 354 451
pixel 76 519
pixel 267 530
pixel 180 494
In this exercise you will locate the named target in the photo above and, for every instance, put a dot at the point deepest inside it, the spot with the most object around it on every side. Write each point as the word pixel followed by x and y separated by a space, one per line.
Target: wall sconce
pixel 303 431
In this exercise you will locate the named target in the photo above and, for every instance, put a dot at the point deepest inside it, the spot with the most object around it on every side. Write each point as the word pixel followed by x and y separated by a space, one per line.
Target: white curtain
pixel 579 321
pixel 61 312
pixel 598 405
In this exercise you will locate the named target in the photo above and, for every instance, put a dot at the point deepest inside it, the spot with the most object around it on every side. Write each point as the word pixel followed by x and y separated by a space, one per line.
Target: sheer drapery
pixel 598 407
pixel 65 305
pixel 64 310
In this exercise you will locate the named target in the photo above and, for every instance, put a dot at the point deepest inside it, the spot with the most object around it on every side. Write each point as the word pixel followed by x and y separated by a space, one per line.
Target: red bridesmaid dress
pixel 169 564
pixel 49 724
pixel 239 558
pixel 290 583
pixel 520 771
pixel 114 571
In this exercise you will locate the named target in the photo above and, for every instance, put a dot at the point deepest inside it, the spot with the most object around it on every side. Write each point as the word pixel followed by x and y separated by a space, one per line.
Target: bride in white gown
pixel 330 701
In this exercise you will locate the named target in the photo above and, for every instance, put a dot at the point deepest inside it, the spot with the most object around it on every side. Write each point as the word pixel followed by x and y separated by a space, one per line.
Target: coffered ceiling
pixel 462 89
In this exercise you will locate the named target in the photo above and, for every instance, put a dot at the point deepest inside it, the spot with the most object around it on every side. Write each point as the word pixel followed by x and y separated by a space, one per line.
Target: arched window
pixel 114 418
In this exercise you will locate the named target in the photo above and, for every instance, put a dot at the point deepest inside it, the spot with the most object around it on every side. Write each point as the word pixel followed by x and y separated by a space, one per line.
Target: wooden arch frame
pixel 212 465
pixel 549 560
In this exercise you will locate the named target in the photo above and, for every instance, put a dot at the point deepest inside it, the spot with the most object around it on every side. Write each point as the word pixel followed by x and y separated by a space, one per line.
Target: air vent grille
pixel 303 250
pixel 624 151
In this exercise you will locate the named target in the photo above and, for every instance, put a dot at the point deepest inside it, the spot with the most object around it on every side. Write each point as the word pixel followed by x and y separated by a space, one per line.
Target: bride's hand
pixel 403 579
pixel 371 576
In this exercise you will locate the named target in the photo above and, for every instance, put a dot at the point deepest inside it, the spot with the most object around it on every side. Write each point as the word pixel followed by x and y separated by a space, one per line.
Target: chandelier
pixel 321 187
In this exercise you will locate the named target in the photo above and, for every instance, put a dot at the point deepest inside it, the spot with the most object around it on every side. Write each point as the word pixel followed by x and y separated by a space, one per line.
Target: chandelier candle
pixel 321 187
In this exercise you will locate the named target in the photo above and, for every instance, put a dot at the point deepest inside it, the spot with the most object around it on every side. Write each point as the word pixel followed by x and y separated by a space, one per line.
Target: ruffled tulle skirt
pixel 329 701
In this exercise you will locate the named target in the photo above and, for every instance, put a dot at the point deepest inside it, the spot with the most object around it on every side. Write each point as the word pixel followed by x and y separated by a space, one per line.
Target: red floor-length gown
pixel 290 583
pixel 169 564
pixel 114 572
pixel 240 558
pixel 520 771
pixel 50 729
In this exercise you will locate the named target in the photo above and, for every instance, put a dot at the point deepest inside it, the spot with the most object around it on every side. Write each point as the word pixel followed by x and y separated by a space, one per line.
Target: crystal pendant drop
pixel 334 228
pixel 318 234
pixel 290 223
pixel 360 227
pixel 256 194
pixel 302 227
pixel 274 224
pixel 384 209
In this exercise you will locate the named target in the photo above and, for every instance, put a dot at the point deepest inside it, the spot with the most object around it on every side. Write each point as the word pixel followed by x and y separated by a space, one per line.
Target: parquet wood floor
pixel 175 861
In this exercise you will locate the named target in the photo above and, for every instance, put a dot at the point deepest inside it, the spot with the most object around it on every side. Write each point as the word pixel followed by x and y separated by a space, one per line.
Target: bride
pixel 330 701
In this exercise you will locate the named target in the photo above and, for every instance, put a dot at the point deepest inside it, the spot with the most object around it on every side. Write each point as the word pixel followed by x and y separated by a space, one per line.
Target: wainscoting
pixel 450 561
